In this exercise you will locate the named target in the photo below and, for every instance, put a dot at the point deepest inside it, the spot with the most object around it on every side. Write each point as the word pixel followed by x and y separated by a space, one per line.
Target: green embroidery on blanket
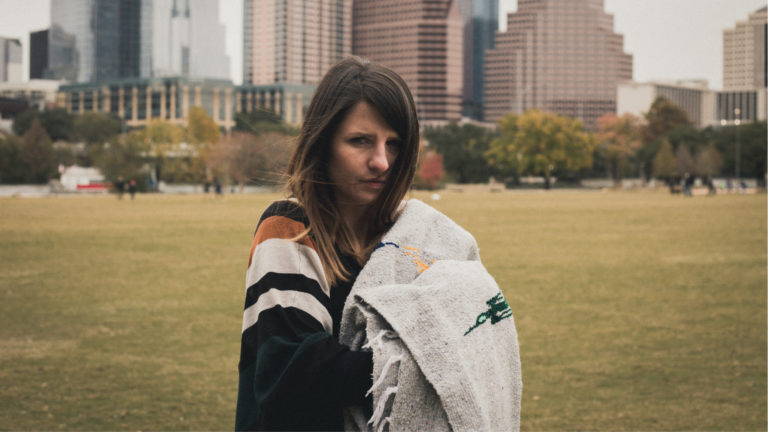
pixel 498 309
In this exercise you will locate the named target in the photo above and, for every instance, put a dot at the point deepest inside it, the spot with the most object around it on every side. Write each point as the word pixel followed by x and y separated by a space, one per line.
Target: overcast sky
pixel 669 39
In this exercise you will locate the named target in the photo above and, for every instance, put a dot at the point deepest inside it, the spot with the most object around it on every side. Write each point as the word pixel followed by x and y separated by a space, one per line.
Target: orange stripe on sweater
pixel 279 227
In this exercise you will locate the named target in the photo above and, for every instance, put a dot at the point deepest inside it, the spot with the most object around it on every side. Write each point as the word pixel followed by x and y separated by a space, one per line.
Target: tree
pixel 95 129
pixel 501 152
pixel 664 163
pixel 202 130
pixel 123 158
pixel 11 166
pixel 463 149
pixel 430 170
pixel 619 140
pixel 57 122
pixel 709 162
pixel 246 158
pixel 752 145
pixel 202 133
pixel 161 140
pixel 662 117
pixel 544 143
pixel 37 154
pixel 684 161
pixel 260 121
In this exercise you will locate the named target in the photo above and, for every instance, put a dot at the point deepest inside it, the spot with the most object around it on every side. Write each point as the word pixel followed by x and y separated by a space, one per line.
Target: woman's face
pixel 362 151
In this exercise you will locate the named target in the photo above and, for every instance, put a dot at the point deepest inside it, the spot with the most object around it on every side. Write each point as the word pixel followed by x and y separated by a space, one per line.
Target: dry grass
pixel 634 310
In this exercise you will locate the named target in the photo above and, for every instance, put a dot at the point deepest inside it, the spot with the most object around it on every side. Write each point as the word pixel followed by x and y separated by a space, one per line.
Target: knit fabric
pixel 294 374
pixel 444 343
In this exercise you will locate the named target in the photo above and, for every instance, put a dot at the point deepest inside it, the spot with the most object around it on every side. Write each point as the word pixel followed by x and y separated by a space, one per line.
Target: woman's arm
pixel 293 372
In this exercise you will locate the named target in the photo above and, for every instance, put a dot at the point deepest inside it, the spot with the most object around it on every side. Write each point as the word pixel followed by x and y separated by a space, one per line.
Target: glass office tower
pixel 93 40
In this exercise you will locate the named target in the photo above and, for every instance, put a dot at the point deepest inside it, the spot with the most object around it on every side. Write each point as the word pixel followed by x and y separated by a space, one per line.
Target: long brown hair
pixel 347 83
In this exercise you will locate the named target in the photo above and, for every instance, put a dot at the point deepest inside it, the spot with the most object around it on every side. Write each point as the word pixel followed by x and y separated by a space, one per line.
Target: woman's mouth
pixel 374 183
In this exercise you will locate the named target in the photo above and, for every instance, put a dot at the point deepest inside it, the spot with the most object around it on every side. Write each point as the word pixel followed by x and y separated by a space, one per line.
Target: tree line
pixel 663 144
pixel 255 152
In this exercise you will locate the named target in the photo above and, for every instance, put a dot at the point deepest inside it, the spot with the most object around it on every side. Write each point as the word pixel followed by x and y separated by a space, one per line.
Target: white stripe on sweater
pixel 286 257
pixel 300 300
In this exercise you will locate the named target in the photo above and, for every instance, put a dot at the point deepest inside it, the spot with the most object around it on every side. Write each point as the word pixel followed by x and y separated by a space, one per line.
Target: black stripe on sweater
pixel 286 282
pixel 286 323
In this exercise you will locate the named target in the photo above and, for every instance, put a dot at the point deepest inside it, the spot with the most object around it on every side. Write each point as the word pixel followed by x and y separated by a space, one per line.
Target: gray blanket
pixel 444 343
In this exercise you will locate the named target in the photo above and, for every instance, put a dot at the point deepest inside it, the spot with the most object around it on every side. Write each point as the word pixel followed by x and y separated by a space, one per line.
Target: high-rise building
pixel 422 40
pixel 745 66
pixel 95 39
pixel 560 56
pixel 10 60
pixel 293 41
pixel 38 54
pixel 187 39
pixel 481 21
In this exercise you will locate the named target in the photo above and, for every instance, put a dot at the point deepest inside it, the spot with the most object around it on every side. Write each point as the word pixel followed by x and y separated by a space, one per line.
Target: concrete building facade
pixel 10 60
pixel 561 56
pixel 139 100
pixel 704 107
pixel 294 41
pixel 38 93
pixel 745 65
pixel 698 102
pixel 289 101
pixel 422 40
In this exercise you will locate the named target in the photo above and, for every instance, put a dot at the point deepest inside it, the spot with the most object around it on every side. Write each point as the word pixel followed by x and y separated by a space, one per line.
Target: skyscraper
pixel 10 60
pixel 422 40
pixel 745 66
pixel 560 56
pixel 293 41
pixel 187 39
pixel 38 54
pixel 95 39
pixel 481 21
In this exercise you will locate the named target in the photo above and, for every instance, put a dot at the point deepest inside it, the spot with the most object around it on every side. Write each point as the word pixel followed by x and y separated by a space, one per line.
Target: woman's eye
pixel 358 140
pixel 393 145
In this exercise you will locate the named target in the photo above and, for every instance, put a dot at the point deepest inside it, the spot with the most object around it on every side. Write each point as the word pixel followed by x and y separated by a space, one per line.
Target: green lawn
pixel 635 311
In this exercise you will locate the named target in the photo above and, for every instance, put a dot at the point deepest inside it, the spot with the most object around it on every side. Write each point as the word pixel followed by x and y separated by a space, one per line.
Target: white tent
pixel 75 178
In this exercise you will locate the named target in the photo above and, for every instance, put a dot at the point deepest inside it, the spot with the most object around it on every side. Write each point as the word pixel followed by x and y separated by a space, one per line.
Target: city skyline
pixel 669 40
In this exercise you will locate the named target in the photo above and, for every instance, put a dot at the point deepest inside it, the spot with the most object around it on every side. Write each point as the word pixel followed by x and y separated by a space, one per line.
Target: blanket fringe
pixel 384 372
pixel 376 421
pixel 389 334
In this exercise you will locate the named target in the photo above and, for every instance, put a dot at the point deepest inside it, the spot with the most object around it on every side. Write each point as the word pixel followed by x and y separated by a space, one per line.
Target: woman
pixel 354 163
pixel 363 310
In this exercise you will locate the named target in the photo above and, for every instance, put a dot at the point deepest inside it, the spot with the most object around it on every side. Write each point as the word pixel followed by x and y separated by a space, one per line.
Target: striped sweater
pixel 294 374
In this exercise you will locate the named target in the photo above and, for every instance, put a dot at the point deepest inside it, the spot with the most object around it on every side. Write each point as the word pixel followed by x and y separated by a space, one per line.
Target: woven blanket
pixel 444 343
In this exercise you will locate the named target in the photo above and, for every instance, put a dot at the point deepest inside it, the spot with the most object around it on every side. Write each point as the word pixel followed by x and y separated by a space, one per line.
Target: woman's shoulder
pixel 287 210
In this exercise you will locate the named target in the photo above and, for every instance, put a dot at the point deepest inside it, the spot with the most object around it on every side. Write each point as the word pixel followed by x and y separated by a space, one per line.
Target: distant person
pixel 207 186
pixel 346 242
pixel 712 189
pixel 119 187
pixel 217 187
pixel 687 184
pixel 132 188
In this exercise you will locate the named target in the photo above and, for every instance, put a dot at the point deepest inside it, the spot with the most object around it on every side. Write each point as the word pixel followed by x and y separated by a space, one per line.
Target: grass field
pixel 635 311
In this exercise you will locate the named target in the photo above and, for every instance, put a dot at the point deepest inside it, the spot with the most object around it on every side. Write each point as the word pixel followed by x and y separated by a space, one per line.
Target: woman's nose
pixel 379 161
